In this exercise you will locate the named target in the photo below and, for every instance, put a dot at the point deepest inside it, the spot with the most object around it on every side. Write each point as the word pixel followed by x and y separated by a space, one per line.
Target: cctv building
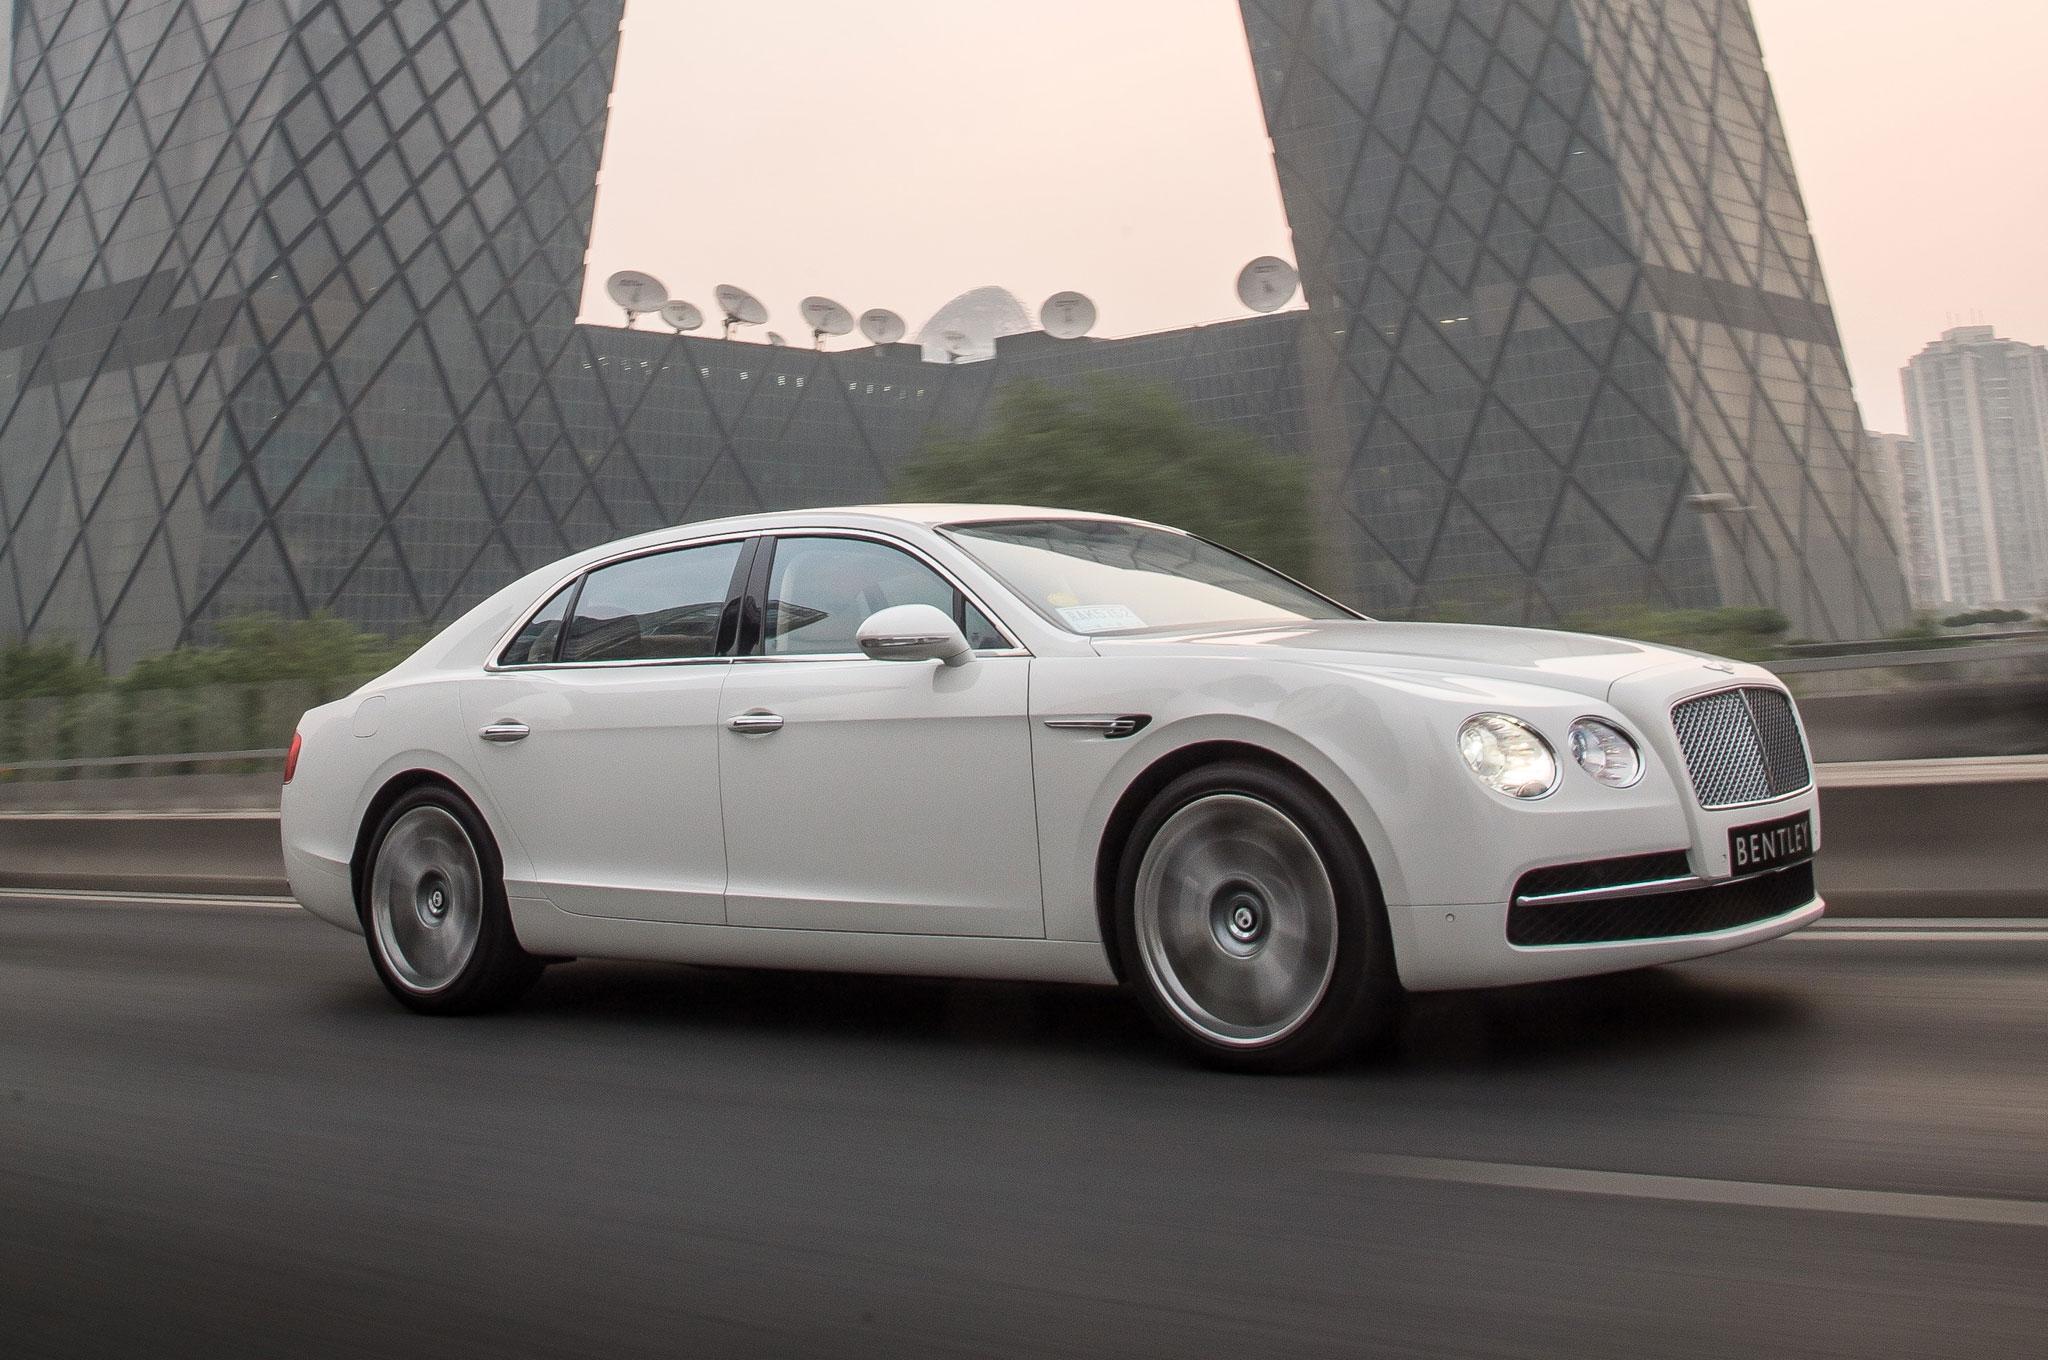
pixel 288 297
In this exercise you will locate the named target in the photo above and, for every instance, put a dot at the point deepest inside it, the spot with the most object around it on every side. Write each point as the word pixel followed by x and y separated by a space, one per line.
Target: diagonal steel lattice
pixel 288 293
pixel 1566 298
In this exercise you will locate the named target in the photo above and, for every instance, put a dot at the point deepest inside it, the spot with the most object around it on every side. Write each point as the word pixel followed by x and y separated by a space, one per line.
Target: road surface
pixel 219 1138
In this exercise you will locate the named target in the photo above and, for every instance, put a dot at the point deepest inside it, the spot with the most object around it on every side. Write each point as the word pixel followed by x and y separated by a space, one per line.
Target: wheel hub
pixel 1240 920
pixel 430 899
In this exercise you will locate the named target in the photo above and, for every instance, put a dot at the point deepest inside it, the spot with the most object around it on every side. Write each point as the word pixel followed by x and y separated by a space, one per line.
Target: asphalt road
pixel 219 1138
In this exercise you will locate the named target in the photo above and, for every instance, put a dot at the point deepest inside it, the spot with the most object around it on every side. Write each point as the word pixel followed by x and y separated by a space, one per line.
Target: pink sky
pixel 896 154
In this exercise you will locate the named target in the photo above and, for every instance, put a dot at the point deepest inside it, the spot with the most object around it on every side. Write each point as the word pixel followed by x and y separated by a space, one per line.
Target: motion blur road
pixel 218 1137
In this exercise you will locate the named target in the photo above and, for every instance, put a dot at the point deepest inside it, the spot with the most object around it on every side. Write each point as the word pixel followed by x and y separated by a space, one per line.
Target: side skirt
pixel 545 929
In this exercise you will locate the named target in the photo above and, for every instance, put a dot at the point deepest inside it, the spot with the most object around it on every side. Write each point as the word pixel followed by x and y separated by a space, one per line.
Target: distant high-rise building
pixel 1910 511
pixel 1979 411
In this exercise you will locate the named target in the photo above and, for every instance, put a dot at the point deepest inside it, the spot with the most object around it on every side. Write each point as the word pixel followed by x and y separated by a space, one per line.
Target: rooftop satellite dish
pixel 959 344
pixel 826 317
pixel 684 316
pixel 1067 316
pixel 775 338
pixel 638 293
pixel 1267 284
pixel 882 326
pixel 741 308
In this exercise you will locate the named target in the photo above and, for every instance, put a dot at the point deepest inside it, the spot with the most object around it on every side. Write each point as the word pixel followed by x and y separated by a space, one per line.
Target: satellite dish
pixel 826 318
pixel 959 344
pixel 882 326
pixel 638 293
pixel 741 308
pixel 1267 284
pixel 1067 316
pixel 684 316
pixel 775 338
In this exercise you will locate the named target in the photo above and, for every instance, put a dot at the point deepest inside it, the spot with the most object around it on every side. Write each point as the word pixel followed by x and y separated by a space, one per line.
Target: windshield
pixel 1107 576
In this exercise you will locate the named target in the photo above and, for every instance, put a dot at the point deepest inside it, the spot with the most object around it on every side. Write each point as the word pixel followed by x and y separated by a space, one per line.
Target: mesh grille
pixel 1742 746
pixel 1697 911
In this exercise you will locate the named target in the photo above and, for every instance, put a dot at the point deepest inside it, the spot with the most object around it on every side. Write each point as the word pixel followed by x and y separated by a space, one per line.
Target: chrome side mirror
pixel 914 632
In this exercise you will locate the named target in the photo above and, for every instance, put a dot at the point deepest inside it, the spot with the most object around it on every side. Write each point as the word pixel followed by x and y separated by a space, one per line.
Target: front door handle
pixel 505 731
pixel 756 724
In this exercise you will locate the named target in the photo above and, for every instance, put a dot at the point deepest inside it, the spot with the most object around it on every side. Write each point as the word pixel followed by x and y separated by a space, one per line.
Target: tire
pixel 1251 925
pixel 434 911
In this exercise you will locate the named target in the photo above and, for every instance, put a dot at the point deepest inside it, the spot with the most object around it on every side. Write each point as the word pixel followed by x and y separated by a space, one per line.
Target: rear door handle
pixel 756 724
pixel 506 731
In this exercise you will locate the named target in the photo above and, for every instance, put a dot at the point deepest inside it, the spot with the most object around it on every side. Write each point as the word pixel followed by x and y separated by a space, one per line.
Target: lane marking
pixel 1930 923
pixel 159 901
pixel 1695 1190
pixel 1871 933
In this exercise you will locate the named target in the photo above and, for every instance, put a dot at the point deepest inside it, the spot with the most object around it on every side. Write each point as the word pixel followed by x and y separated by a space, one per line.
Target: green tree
pixel 39 670
pixel 259 648
pixel 1977 617
pixel 1121 449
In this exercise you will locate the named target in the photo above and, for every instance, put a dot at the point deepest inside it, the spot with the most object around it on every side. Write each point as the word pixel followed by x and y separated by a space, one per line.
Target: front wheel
pixel 1252 922
pixel 434 910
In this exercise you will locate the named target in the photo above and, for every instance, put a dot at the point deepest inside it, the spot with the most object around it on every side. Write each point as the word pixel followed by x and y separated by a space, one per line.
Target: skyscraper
pixel 280 280
pixel 1979 411
pixel 1908 509
pixel 288 293
pixel 1571 345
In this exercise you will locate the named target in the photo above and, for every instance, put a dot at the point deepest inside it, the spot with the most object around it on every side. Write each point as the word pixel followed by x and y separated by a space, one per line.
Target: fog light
pixel 1508 756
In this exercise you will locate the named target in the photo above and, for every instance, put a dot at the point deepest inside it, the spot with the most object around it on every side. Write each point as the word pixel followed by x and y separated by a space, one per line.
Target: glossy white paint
pixel 909 816
pixel 896 797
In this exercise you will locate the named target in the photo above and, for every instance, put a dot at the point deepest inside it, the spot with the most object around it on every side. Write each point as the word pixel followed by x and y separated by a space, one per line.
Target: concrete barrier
pixel 1948 838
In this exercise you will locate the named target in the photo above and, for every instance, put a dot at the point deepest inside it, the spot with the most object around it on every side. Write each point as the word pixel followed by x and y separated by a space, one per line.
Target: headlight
pixel 1508 756
pixel 1605 752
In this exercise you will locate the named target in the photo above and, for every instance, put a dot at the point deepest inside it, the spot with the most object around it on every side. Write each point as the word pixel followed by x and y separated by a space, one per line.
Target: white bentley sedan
pixel 1015 743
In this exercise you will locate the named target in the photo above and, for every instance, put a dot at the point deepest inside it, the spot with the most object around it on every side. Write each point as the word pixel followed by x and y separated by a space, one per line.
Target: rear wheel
pixel 1252 922
pixel 434 910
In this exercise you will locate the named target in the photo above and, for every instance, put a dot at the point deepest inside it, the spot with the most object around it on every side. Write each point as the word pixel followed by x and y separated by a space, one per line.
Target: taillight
pixel 291 759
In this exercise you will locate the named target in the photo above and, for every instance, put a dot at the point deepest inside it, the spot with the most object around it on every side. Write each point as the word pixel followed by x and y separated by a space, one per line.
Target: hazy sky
pixel 896 153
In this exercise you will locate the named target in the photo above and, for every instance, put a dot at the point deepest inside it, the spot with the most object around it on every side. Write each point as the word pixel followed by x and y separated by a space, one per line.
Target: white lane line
pixel 1931 923
pixel 160 901
pixel 1694 1190
pixel 1870 935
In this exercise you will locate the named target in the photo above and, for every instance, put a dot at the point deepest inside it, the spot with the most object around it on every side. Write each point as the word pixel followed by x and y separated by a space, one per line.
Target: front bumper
pixel 1450 948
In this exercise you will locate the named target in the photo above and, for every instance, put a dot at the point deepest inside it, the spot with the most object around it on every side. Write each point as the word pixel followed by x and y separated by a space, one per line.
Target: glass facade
pixel 1570 346
pixel 288 288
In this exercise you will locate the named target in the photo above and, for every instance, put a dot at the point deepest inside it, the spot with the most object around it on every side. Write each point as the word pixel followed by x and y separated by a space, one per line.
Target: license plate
pixel 1770 845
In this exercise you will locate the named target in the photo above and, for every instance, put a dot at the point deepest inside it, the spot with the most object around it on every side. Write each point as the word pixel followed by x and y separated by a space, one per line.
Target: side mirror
pixel 914 632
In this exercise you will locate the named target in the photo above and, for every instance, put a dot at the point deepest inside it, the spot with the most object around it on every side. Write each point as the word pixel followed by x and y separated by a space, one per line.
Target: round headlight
pixel 1605 752
pixel 1508 756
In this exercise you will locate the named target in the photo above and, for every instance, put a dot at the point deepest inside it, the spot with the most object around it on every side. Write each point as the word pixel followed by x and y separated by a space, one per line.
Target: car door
pixel 598 736
pixel 884 796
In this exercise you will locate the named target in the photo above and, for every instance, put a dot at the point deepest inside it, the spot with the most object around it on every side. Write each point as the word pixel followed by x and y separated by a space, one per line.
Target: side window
pixel 664 607
pixel 822 589
pixel 535 644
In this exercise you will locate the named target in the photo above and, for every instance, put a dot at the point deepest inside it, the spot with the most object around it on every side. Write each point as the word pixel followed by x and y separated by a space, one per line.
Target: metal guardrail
pixel 131 762
pixel 1921 656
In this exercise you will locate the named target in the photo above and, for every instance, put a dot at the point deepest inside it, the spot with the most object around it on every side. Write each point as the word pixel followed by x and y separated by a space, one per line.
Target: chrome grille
pixel 1742 746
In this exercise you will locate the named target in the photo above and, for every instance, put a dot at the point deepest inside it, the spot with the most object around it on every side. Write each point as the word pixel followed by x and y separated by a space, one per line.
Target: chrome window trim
pixel 547 597
pixel 1671 725
pixel 742 537
pixel 1015 648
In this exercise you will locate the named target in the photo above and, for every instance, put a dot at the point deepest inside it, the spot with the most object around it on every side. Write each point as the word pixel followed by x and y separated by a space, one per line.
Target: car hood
pixel 1574 662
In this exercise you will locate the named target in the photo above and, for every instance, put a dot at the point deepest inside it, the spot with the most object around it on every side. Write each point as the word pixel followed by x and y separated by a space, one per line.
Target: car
pixel 1007 742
